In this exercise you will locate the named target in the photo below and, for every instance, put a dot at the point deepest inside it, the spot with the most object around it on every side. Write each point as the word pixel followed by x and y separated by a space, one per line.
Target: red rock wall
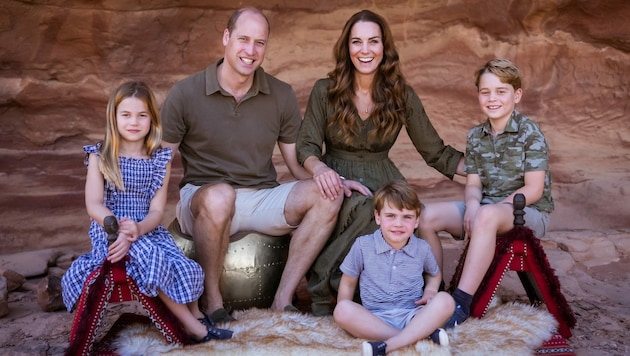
pixel 59 60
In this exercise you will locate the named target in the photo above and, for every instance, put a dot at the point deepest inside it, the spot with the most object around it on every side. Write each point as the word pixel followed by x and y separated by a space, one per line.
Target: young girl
pixel 127 177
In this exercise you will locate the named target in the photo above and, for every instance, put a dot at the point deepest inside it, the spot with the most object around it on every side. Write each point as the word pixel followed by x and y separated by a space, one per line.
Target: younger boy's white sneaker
pixel 373 348
pixel 440 337
pixel 443 337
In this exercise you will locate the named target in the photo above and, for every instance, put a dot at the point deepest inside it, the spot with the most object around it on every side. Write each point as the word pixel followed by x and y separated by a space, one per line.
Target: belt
pixel 358 156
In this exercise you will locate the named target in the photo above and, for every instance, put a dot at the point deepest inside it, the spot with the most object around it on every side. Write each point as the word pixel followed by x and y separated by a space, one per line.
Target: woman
pixel 356 114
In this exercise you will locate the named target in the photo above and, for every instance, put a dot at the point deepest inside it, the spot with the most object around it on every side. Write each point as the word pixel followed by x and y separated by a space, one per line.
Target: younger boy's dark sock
pixel 464 299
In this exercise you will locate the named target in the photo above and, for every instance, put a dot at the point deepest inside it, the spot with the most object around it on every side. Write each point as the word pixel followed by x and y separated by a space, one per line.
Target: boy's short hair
pixel 398 194
pixel 507 72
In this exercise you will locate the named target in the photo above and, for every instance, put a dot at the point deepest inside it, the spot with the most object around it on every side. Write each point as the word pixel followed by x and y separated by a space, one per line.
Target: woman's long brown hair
pixel 388 90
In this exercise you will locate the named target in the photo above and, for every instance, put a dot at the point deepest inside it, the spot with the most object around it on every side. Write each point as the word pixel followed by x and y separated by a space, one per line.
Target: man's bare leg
pixel 316 218
pixel 213 208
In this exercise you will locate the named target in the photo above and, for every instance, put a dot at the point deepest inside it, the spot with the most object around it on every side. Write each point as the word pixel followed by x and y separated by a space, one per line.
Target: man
pixel 226 121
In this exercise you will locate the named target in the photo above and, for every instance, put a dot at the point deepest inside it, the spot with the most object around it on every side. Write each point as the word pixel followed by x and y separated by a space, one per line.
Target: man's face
pixel 245 46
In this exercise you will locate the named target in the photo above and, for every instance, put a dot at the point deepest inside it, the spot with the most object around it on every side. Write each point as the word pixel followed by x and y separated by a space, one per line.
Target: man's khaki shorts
pixel 260 210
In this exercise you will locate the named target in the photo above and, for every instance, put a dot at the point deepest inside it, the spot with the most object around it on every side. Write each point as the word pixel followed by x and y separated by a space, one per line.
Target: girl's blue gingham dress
pixel 155 261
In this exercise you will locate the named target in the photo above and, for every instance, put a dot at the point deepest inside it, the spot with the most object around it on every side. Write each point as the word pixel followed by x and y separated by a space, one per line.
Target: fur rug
pixel 507 329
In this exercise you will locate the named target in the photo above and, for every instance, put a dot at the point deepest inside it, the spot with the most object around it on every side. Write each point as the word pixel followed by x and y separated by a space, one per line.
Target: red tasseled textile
pixel 503 245
pixel 110 283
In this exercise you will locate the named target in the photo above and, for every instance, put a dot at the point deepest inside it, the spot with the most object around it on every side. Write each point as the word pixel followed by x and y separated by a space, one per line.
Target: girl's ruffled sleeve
pixel 91 149
pixel 160 159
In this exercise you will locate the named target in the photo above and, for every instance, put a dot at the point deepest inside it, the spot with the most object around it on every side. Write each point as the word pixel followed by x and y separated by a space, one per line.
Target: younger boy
pixel 389 266
pixel 506 155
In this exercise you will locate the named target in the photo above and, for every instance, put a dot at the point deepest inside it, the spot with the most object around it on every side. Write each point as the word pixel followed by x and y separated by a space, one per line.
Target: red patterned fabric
pixel 110 283
pixel 556 346
pixel 519 250
pixel 105 346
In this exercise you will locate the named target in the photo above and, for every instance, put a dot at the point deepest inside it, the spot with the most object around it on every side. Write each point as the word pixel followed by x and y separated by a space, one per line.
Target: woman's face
pixel 366 47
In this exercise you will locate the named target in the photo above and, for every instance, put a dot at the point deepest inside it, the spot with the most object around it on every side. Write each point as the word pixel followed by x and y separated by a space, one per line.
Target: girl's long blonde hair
pixel 111 145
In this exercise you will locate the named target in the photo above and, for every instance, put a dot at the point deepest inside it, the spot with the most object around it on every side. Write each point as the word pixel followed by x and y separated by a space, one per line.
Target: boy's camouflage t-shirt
pixel 501 162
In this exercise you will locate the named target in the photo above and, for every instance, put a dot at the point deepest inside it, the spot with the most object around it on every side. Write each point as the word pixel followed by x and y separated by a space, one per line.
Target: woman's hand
pixel 329 182
pixel 350 185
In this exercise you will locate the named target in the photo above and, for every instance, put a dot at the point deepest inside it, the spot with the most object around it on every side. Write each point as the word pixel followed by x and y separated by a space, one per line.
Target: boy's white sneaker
pixel 373 348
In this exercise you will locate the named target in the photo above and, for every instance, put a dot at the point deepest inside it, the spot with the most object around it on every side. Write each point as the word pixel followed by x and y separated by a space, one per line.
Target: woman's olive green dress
pixel 366 162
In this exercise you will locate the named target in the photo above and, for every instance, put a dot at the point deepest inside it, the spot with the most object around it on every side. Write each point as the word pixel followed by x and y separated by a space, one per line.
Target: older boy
pixel 506 155
pixel 389 266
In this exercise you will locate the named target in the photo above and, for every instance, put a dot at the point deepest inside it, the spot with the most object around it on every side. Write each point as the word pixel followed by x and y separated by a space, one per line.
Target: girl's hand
pixel 130 228
pixel 119 248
